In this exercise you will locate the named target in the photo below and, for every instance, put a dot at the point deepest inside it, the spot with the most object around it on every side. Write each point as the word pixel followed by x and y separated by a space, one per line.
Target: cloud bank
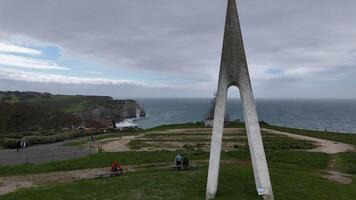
pixel 17 75
pixel 294 48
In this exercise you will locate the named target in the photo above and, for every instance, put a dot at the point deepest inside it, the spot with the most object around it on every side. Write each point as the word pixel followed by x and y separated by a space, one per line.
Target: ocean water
pixel 333 115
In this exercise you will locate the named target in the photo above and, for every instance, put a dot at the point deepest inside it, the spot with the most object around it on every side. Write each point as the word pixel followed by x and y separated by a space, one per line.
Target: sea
pixel 314 114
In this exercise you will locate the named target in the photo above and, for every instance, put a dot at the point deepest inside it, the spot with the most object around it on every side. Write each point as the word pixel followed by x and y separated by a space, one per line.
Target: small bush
pixel 9 143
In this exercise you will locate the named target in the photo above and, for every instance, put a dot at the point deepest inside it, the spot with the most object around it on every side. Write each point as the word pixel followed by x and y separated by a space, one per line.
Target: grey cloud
pixel 184 38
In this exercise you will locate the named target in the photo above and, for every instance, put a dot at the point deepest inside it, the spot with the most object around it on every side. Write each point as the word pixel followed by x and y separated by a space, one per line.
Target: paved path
pixel 41 154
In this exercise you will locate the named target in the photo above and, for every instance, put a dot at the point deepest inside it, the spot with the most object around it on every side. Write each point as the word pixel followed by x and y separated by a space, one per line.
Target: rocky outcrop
pixel 116 110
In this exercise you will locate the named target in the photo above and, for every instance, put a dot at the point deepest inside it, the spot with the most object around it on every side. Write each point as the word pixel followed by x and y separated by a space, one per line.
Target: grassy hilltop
pixel 296 173
pixel 41 118
pixel 65 103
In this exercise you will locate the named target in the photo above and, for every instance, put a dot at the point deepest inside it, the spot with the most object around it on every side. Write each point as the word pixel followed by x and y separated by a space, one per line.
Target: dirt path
pixel 119 145
pixel 325 146
pixel 332 173
pixel 13 183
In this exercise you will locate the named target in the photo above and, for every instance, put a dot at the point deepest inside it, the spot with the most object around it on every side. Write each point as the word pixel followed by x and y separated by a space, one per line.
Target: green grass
pixel 68 103
pixel 295 174
pixel 302 159
pixel 339 137
pixel 271 141
pixel 176 126
pixel 348 162
pixel 236 182
pixel 191 125
pixel 99 160
pixel 79 143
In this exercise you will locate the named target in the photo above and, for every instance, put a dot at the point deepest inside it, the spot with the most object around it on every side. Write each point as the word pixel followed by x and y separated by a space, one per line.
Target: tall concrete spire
pixel 234 72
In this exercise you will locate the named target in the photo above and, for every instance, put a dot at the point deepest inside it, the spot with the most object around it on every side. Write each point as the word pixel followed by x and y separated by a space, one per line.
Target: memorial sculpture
pixel 234 72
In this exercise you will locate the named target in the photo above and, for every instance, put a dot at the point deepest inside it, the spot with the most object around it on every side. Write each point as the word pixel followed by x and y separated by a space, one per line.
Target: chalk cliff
pixel 115 110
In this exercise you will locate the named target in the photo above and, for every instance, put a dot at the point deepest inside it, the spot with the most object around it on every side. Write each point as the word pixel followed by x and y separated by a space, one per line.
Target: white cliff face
pixel 116 110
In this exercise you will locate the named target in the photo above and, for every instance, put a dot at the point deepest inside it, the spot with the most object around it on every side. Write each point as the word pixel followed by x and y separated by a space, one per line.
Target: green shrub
pixel 11 135
pixel 9 143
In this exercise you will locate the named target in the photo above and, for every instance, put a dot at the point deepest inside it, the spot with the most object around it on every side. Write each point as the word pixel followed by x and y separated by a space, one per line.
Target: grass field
pixel 340 137
pixel 199 139
pixel 296 174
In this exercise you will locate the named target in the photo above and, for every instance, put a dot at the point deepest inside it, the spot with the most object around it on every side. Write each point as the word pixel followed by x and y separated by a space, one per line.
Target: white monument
pixel 234 72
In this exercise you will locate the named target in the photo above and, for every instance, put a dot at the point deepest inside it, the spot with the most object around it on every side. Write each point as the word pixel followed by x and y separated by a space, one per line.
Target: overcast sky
pixel 166 48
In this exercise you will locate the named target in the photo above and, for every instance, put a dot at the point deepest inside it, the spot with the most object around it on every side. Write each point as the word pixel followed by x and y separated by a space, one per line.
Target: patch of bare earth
pixel 119 145
pixel 338 177
pixel 333 174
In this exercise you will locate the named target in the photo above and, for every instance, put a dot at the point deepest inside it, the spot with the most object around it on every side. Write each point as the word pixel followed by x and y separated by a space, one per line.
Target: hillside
pixel 65 103
pixel 24 117
pixel 34 111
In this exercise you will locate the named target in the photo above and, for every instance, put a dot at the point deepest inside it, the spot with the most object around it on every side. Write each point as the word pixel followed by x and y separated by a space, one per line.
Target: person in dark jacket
pixel 185 162
pixel 18 145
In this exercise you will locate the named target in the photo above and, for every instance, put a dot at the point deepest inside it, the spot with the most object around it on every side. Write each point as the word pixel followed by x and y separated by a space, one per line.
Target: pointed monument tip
pixel 232 9
pixel 232 2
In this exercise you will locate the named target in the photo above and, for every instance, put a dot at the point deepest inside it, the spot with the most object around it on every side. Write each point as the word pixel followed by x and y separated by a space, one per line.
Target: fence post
pixel 52 157
pixel 75 154
pixel 26 160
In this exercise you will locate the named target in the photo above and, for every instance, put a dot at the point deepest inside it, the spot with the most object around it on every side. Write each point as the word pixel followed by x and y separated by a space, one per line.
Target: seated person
pixel 116 168
pixel 179 161
pixel 185 163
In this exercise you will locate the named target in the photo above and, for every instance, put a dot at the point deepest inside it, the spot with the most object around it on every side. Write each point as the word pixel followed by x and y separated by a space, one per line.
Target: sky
pixel 165 48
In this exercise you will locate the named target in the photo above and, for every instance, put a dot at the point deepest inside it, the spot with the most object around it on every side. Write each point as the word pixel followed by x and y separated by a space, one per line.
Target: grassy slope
pixel 104 159
pixel 68 103
pixel 293 178
pixel 293 173
pixel 129 158
pixel 347 162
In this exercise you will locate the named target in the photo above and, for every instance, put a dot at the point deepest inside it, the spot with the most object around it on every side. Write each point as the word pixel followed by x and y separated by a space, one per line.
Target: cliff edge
pixel 115 110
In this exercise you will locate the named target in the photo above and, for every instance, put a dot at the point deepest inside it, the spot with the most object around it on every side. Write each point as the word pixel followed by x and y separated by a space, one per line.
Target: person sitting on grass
pixel 185 162
pixel 179 160
pixel 116 169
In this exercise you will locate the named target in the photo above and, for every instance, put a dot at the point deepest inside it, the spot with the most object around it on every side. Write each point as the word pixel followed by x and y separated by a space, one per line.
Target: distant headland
pixel 37 111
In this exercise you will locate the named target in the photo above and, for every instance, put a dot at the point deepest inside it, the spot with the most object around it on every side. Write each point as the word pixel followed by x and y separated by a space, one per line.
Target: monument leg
pixel 258 157
pixel 216 140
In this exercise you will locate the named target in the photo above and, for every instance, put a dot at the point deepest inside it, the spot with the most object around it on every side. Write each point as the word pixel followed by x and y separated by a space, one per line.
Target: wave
pixel 131 122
